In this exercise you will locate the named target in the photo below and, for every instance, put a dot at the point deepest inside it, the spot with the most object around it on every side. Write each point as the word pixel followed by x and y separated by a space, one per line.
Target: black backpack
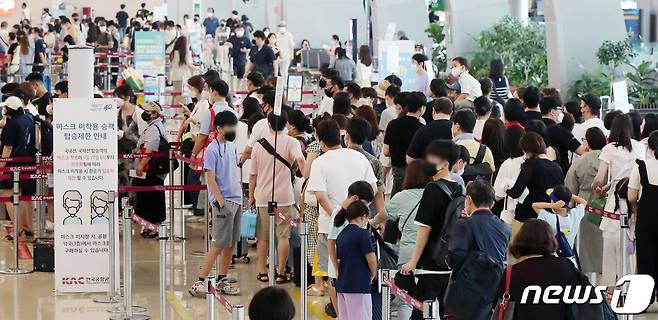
pixel 439 246
pixel 46 132
pixel 479 170
pixel 160 165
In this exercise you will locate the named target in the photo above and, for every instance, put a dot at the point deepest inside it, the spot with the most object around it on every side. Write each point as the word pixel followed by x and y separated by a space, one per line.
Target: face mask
pixel 102 29
pixel 210 14
pixel 322 83
pixel 282 29
pixel 49 109
pixel 455 72
pixel 146 116
pixel 229 136
pixel 196 20
pixel 75 19
pixel 239 34
pixel 99 210
pixel 328 92
pixel 560 117
pixel 205 95
pixel 461 171
pixel 223 25
pixel 430 169
pixel 72 211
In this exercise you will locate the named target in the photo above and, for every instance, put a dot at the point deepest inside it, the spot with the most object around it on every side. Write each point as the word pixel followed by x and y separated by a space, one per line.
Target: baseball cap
pixel 151 106
pixel 592 100
pixel 454 86
pixel 560 193
pixel 13 103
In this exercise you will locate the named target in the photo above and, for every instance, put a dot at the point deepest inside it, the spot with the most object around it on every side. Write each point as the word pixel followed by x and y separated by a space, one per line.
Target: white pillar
pixel 466 19
pixel 519 9
pixel 81 72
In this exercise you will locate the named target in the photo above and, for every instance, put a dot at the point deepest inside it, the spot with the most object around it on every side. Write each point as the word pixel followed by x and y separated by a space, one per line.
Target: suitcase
pixel 44 255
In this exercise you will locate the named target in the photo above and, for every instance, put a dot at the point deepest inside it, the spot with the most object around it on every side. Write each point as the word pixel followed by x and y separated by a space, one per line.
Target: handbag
pixel 160 165
pixel 504 307
pixel 392 234
pixel 248 224
pixel 598 203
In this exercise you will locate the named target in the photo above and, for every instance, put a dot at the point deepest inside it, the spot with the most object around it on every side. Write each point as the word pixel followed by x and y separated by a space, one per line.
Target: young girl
pixel 357 263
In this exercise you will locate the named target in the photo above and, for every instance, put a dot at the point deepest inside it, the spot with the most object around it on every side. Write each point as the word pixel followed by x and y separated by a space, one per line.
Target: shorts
pixel 226 224
pixel 239 66
pixel 28 187
pixel 323 253
pixel 282 229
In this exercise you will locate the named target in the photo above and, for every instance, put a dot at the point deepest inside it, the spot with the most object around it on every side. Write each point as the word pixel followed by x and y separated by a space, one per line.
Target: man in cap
pixel 590 108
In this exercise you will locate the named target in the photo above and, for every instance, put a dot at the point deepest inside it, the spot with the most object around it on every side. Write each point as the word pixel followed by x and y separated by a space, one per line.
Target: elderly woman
pixel 150 205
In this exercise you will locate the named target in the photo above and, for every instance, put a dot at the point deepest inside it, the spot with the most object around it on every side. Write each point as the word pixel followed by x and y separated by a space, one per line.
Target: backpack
pixel 564 249
pixel 479 170
pixel 472 290
pixel 439 246
pixel 46 132
pixel 160 165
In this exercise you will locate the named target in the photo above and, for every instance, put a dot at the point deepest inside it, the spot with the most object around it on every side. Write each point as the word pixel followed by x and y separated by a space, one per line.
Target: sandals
pixel 262 277
pixel 283 278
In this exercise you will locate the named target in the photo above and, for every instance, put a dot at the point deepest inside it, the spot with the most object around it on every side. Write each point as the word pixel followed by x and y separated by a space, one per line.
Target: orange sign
pixel 7 7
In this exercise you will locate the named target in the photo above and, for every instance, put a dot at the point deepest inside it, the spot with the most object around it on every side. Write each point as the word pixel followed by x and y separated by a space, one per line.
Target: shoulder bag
pixel 505 307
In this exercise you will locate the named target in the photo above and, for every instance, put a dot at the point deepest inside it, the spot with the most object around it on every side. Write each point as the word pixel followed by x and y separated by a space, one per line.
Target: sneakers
pixel 198 289
pixel 228 289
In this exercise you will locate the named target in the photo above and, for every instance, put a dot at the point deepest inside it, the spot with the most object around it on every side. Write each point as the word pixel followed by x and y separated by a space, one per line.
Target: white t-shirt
pixel 477 130
pixel 199 113
pixel 569 224
pixel 507 175
pixel 333 172
pixel 620 164
pixel 261 130
pixel 580 130
pixel 241 139
pixel 387 116
pixel 470 86
pixel 326 106
pixel 652 174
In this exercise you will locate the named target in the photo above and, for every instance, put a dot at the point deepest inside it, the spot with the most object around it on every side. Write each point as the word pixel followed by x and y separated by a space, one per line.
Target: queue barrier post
pixel 128 311
pixel 210 298
pixel 430 309
pixel 303 234
pixel 386 293
pixel 112 296
pixel 172 211
pixel 17 226
pixel 271 273
pixel 163 237
pixel 237 312
pixel 39 204
pixel 624 223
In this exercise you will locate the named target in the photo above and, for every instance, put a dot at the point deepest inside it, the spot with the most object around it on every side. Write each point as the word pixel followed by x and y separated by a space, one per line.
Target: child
pixel 357 191
pixel 225 198
pixel 357 263
pixel 569 209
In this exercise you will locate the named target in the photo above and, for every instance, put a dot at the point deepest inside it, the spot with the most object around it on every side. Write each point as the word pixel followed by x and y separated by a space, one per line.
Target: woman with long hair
pixel 501 84
pixel 345 66
pixel 508 172
pixel 617 161
pixel 364 67
pixel 493 134
pixel 376 138
pixel 181 65
pixel 25 52
pixel 418 63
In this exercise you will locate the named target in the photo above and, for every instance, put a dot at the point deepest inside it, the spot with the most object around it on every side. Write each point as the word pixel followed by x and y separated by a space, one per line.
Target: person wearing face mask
pixel 225 198
pixel 128 130
pixel 150 205
pixel 222 33
pixel 286 46
pixel 261 128
pixel 211 23
pixel 80 29
pixel 217 99
pixel 470 87
pixel 272 181
pixel 559 137
pixel 104 41
pixel 239 46
pixel 262 57
pixel 441 156
pixel 42 96
pixel 422 78
pixel 333 84
pixel 233 21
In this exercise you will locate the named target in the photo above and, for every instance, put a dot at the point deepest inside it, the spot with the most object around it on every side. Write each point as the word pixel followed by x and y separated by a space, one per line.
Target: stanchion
pixel 271 273
pixel 163 237
pixel 237 312
pixel 623 245
pixel 129 312
pixel 430 309
pixel 206 231
pixel 386 293
pixel 17 226
pixel 210 298
pixel 303 235
pixel 172 211
pixel 39 205
pixel 112 296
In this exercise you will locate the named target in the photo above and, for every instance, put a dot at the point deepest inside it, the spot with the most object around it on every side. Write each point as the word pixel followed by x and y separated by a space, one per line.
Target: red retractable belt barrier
pixel 162 188
pixel 602 213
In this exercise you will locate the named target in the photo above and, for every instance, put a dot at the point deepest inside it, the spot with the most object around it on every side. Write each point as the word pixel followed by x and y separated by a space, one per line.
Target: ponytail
pixel 354 210
pixel 652 142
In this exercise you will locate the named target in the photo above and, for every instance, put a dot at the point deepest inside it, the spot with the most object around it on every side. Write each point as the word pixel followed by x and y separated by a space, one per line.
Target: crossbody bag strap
pixel 481 152
pixel 268 147
pixel 409 215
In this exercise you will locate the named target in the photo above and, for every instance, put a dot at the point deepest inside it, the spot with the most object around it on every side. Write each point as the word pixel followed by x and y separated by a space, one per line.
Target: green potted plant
pixel 439 58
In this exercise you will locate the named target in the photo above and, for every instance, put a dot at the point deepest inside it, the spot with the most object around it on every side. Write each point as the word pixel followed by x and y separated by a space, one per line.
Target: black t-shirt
pixel 531 115
pixel 39 47
pixel 429 107
pixel 263 60
pixel 12 48
pixel 432 213
pixel 437 129
pixel 398 135
pixel 41 103
pixel 538 175
pixel 18 133
pixel 239 43
pixel 122 17
pixel 562 140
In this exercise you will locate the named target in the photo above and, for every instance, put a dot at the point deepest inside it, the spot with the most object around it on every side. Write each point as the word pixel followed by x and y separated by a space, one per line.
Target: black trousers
pixel 646 242
pixel 150 205
pixel 430 287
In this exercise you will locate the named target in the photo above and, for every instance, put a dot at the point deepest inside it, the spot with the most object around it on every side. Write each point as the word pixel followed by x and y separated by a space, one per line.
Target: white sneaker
pixel 198 289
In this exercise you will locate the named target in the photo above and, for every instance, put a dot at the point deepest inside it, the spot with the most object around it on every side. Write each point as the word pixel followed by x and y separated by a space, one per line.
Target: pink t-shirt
pixel 261 166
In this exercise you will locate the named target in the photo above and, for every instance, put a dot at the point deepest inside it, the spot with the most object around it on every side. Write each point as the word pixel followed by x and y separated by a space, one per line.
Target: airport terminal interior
pixel 328 159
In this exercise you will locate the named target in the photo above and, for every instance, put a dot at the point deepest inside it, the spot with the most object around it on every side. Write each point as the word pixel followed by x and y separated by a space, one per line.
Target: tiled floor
pixel 31 296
